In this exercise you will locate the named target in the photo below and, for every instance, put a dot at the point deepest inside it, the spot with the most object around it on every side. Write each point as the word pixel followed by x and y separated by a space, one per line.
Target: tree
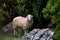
pixel 52 11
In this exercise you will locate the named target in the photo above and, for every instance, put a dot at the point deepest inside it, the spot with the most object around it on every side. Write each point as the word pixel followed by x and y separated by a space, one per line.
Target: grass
pixel 7 37
pixel 10 36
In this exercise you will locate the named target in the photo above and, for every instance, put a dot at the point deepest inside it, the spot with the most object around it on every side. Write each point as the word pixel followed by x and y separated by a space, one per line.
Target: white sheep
pixel 23 22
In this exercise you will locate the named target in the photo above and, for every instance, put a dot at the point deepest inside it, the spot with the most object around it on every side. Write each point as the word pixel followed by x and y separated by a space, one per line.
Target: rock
pixel 34 31
pixel 28 37
pixel 42 39
pixel 39 34
pixel 7 27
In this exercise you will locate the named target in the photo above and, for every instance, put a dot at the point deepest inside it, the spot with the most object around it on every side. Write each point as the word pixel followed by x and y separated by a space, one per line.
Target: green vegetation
pixel 40 9
pixel 52 11
pixel 57 33
pixel 9 37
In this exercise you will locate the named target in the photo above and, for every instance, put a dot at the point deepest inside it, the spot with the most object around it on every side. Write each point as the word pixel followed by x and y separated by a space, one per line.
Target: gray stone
pixel 39 34
pixel 28 37
pixel 7 27
pixel 34 31
pixel 42 39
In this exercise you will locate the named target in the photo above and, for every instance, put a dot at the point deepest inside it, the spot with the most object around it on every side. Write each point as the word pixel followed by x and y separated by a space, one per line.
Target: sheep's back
pixel 19 21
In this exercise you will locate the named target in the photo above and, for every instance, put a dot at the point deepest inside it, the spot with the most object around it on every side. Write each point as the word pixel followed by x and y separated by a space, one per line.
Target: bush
pixel 57 33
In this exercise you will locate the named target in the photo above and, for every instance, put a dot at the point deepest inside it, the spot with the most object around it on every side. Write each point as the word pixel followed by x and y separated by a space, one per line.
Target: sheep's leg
pixel 14 30
pixel 26 31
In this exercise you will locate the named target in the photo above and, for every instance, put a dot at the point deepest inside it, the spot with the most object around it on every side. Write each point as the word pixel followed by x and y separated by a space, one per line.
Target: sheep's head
pixel 29 17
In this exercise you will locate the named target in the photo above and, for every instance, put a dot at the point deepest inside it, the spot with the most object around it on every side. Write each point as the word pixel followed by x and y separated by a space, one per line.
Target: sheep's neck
pixel 29 20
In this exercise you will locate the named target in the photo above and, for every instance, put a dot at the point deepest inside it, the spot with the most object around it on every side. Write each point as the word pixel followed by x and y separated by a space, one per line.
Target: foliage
pixel 52 11
pixel 57 33
pixel 2 18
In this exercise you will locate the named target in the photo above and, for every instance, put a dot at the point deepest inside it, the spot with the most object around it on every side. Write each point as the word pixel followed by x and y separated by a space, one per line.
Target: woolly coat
pixel 22 22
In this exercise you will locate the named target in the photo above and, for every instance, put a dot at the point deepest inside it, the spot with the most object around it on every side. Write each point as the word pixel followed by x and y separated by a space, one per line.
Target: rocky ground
pixel 39 34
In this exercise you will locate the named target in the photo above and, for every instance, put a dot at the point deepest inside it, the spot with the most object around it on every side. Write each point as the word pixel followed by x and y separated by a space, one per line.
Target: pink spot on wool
pixel 22 18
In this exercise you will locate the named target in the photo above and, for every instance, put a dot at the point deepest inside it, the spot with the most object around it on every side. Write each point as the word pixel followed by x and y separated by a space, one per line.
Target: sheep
pixel 23 22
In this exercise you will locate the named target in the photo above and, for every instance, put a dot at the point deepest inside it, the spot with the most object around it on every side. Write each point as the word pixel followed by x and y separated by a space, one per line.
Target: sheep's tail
pixel 7 27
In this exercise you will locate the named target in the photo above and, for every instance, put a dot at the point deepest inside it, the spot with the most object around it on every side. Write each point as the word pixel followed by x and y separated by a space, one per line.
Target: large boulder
pixel 39 34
